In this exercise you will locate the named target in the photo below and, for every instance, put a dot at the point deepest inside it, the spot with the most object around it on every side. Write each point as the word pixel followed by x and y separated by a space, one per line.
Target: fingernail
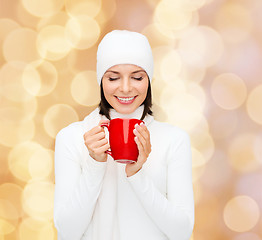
pixel 141 124
pixel 135 131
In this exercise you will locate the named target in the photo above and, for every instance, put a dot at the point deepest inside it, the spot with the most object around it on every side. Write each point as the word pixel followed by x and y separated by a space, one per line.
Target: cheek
pixel 143 88
pixel 108 89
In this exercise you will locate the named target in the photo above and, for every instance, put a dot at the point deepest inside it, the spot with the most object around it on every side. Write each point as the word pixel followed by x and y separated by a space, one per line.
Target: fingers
pixel 99 143
pixel 142 133
pixel 96 142
pixel 94 131
pixel 94 136
pixel 100 149
pixel 142 138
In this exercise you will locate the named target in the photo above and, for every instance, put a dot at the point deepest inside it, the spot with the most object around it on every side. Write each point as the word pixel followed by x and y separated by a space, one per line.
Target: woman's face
pixel 125 87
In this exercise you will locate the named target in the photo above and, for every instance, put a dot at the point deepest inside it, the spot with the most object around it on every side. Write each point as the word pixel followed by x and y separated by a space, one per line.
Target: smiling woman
pixel 124 87
pixel 97 198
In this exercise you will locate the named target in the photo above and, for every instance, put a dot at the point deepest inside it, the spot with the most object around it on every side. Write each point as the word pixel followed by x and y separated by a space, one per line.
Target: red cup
pixel 121 139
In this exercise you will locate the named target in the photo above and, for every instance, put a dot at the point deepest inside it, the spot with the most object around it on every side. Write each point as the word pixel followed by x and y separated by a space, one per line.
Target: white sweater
pixel 97 201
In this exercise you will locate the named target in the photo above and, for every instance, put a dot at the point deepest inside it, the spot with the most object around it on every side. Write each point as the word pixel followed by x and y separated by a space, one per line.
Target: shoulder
pixel 168 131
pixel 70 130
pixel 77 129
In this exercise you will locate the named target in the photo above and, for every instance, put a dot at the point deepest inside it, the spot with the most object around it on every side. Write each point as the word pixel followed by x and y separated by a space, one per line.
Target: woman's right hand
pixel 96 142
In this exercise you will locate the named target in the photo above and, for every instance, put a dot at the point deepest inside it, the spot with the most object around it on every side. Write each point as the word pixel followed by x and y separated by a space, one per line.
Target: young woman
pixel 97 198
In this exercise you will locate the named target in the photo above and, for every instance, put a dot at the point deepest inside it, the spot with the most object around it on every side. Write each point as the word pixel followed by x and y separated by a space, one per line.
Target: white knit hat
pixel 124 47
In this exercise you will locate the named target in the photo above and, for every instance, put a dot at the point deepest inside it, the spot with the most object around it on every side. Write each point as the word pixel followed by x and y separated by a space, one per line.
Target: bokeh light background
pixel 207 80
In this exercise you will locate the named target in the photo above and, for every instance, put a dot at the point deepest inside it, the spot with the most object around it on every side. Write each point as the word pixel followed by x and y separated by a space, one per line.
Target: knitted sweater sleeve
pixel 173 214
pixel 77 186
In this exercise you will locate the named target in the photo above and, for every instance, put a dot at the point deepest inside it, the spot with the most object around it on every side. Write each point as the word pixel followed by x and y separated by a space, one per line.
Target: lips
pixel 126 100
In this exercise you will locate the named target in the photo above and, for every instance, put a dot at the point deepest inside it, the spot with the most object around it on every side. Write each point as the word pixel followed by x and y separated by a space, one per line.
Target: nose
pixel 125 85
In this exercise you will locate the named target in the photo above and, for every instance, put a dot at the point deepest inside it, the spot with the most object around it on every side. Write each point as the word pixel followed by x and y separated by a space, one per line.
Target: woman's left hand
pixel 142 140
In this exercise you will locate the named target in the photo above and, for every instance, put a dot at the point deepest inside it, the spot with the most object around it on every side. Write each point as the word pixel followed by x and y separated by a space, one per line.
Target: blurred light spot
pixel 198 92
pixel 228 91
pixel 170 66
pixel 248 235
pixel 48 77
pixel 12 193
pixel 155 37
pixel 57 117
pixel 38 198
pixel 106 13
pixel 183 109
pixel 32 229
pixel 52 43
pixel 197 157
pixel 198 164
pixel 14 90
pixel 6 227
pixel 6 26
pixel 248 184
pixel 24 17
pixel 205 50
pixel 241 214
pixel 13 133
pixel 192 73
pixel 219 119
pixel 203 142
pixel 31 80
pixel 84 88
pixel 59 19
pixel 258 148
pixel 241 153
pixel 17 112
pixel 171 17
pixel 234 22
pixel 8 210
pixel 19 157
pixel 47 232
pixel 83 7
pixel 43 8
pixel 176 34
pixel 202 126
pixel 82 31
pixel 185 5
pixel 20 45
pixel 159 54
pixel 254 104
pixel 40 164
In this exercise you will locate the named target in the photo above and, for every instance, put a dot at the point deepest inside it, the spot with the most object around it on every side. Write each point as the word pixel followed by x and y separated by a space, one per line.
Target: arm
pixel 76 187
pixel 173 214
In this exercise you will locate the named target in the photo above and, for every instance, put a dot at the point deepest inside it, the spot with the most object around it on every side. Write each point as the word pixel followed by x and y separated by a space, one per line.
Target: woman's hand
pixel 142 140
pixel 96 142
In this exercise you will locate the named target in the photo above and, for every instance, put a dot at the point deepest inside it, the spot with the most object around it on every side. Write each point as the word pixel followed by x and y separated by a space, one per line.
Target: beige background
pixel 207 80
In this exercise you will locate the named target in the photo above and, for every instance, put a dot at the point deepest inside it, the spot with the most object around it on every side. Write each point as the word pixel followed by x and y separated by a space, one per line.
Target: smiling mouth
pixel 126 99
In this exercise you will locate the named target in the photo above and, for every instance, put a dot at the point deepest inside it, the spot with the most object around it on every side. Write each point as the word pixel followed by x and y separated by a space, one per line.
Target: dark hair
pixel 105 106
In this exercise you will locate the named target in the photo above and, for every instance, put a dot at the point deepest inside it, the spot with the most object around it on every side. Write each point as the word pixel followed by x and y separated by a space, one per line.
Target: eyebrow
pixel 118 72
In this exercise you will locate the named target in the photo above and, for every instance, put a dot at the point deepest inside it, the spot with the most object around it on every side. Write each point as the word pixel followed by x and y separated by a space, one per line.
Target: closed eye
pixel 112 79
pixel 139 79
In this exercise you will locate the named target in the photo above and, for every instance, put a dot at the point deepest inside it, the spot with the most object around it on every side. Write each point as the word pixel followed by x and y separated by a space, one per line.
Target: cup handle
pixel 107 126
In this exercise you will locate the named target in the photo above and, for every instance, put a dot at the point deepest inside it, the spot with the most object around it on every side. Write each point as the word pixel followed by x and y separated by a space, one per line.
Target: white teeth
pixel 125 99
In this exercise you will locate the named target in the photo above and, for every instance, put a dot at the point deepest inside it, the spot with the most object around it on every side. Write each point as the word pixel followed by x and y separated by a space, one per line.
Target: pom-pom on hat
pixel 124 47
